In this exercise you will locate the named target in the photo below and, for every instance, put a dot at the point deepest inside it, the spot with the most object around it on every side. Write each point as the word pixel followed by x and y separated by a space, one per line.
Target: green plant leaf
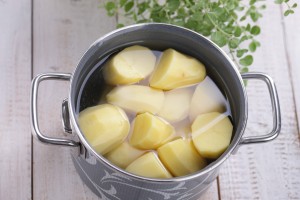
pixel 252 46
pixel 123 2
pixel 241 52
pixel 110 8
pixel 252 2
pixel 288 12
pixel 234 43
pixel 238 31
pixel 244 70
pixel 255 30
pixel 255 16
pixel 278 1
pixel 128 6
pixel 120 25
pixel 219 38
pixel 294 5
pixel 173 5
pixel 142 7
pixel 246 61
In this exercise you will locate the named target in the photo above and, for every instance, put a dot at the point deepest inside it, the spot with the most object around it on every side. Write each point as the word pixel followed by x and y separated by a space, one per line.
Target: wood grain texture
pixel 63 30
pixel 15 65
pixel 270 170
pixel 211 193
pixel 291 32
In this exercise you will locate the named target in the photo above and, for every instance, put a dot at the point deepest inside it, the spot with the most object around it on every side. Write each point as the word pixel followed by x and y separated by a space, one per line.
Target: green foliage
pixel 231 24
pixel 290 7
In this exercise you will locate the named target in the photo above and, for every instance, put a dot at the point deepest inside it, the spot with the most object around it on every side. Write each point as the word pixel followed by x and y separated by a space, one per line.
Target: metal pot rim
pixel 210 167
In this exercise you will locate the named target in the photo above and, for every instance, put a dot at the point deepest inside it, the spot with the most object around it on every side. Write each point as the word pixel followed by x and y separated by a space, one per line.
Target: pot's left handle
pixel 33 109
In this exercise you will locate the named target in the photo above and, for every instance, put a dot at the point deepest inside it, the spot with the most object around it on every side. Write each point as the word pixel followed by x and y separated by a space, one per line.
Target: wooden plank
pixel 271 170
pixel 292 47
pixel 63 30
pixel 15 65
pixel 212 192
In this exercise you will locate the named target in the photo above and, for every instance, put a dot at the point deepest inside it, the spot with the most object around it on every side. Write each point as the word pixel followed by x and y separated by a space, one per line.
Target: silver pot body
pixel 111 182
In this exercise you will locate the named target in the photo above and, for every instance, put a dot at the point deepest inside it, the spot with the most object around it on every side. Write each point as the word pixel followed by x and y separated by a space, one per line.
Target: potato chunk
pixel 129 66
pixel 176 70
pixel 104 126
pixel 211 134
pixel 207 98
pixel 150 132
pixel 136 98
pixel 180 157
pixel 123 155
pixel 148 165
pixel 176 105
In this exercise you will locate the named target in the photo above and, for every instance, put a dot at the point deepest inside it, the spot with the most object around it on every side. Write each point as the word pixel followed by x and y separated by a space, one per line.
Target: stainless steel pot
pixel 111 182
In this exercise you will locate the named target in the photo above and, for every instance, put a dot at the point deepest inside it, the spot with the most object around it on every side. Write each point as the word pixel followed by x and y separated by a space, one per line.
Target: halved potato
pixel 176 70
pixel 123 155
pixel 136 98
pixel 207 98
pixel 150 132
pixel 211 133
pixel 180 157
pixel 104 126
pixel 129 66
pixel 176 105
pixel 148 165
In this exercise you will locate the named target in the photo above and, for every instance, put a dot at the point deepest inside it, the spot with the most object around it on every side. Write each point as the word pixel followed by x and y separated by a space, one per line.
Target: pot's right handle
pixel 33 110
pixel 275 109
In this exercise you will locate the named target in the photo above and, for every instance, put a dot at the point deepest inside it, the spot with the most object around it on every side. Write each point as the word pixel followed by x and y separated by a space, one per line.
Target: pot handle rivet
pixel 33 109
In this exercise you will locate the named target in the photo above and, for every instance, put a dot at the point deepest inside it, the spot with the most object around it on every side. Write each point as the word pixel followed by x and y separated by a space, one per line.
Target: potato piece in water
pixel 211 134
pixel 150 132
pixel 180 157
pixel 176 70
pixel 129 66
pixel 148 165
pixel 123 155
pixel 136 98
pixel 176 105
pixel 207 98
pixel 104 126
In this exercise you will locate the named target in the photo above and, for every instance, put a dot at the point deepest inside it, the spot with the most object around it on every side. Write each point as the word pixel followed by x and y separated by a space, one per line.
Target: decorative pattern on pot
pixel 110 184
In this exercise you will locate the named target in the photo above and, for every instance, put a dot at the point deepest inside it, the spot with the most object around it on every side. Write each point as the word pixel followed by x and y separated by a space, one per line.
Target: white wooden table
pixel 42 36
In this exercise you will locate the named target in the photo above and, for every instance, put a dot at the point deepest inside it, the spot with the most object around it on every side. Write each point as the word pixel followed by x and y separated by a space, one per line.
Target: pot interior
pixel 161 37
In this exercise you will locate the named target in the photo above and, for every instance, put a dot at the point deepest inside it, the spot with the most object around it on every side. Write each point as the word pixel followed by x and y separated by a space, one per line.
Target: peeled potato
pixel 123 155
pixel 104 126
pixel 207 98
pixel 129 66
pixel 136 98
pixel 148 165
pixel 211 134
pixel 176 105
pixel 150 132
pixel 176 70
pixel 180 157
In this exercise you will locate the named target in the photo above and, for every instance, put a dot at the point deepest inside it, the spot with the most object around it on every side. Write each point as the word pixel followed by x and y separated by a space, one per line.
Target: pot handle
pixel 33 109
pixel 275 109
